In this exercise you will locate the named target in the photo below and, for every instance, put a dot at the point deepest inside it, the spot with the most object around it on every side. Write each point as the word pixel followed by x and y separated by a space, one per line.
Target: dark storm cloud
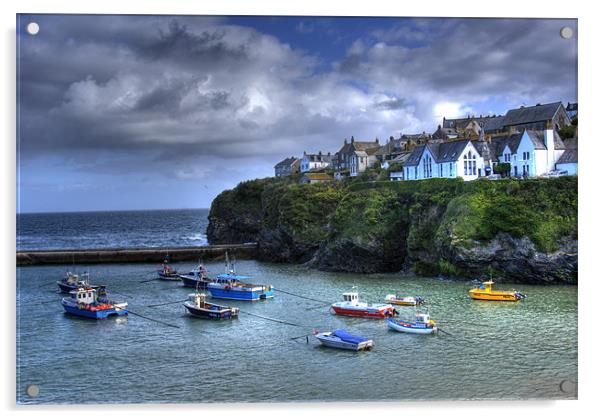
pixel 111 92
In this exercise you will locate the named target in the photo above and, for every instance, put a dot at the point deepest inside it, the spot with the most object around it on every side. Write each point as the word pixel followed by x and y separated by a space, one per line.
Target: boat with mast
pixel 73 281
pixel 196 278
pixel 166 272
pixel 230 286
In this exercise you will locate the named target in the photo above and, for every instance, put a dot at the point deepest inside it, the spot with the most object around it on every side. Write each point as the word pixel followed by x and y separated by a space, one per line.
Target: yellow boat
pixel 485 292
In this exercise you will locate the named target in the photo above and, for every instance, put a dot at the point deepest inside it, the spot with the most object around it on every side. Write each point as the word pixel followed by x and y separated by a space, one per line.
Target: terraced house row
pixel 538 140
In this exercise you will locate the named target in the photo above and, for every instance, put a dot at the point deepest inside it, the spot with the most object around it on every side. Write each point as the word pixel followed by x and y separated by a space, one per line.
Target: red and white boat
pixel 351 306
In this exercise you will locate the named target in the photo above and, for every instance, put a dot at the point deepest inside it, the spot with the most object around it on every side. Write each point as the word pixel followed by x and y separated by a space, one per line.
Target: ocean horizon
pixel 155 228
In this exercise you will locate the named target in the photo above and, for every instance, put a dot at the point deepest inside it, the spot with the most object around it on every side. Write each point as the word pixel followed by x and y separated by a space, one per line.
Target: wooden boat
pixel 72 281
pixel 341 339
pixel 350 306
pixel 199 307
pixel 167 273
pixel 92 303
pixel 423 325
pixel 403 301
pixel 485 292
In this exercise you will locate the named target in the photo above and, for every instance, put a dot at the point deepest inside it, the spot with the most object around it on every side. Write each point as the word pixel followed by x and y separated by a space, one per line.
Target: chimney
pixel 345 140
pixel 550 146
pixel 319 153
pixel 391 138
pixel 352 139
pixel 377 140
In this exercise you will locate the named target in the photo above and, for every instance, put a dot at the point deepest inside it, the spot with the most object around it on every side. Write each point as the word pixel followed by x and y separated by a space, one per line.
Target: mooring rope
pixel 274 320
pixel 168 303
pixel 300 296
pixel 153 320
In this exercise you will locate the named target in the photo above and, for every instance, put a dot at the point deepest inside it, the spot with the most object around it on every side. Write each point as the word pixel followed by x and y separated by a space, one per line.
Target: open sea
pixel 110 229
pixel 488 350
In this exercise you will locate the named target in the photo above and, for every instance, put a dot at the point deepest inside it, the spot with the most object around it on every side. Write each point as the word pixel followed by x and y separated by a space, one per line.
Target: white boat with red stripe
pixel 351 306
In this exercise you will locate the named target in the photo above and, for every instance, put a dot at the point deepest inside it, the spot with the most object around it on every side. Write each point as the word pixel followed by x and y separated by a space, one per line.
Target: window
pixel 528 157
pixel 470 164
pixel 428 167
pixel 415 172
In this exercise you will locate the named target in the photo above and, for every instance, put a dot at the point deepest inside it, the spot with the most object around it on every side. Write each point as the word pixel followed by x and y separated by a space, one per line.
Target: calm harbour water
pixel 494 350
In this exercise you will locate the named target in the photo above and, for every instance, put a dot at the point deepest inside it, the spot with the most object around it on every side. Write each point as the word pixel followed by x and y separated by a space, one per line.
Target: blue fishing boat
pixel 196 278
pixel 199 307
pixel 423 325
pixel 72 281
pixel 230 286
pixel 93 303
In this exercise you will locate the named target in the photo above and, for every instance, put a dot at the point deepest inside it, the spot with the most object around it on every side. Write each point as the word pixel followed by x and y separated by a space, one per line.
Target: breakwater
pixel 123 255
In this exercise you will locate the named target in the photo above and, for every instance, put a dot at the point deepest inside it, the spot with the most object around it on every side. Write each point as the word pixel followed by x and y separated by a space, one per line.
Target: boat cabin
pixel 197 299
pixel 487 286
pixel 422 318
pixel 350 297
pixel 84 295
pixel 71 278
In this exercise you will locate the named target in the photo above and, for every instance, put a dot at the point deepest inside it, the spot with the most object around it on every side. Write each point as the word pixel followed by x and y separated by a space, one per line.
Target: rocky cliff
pixel 521 231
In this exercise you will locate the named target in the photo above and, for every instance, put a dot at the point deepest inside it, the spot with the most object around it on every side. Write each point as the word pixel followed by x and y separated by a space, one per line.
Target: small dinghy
pixel 166 272
pixel 72 281
pixel 350 306
pixel 340 339
pixel 404 301
pixel 423 325
pixel 199 307
pixel 93 303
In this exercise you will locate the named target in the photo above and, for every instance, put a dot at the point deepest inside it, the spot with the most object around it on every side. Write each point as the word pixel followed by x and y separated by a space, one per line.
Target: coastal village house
pixel 444 160
pixel 525 138
pixel 355 156
pixel 287 167
pixel 318 161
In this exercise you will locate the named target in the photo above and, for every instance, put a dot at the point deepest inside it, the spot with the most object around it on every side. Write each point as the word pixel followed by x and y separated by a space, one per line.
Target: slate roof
pixel 512 141
pixel 495 123
pixel 286 162
pixel 529 114
pixel 569 156
pixel 571 107
pixel 461 123
pixel 368 146
pixel 450 151
pixel 326 158
pixel 537 139
pixel 442 152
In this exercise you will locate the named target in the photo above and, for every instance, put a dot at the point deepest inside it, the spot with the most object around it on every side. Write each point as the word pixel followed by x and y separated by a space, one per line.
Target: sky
pixel 152 112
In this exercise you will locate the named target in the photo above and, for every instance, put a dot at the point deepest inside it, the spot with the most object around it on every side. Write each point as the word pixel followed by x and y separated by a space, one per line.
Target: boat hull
pixel 240 294
pixel 192 282
pixel 326 339
pixel 168 277
pixel 98 314
pixel 493 296
pixel 367 312
pixel 410 327
pixel 67 288
pixel 218 314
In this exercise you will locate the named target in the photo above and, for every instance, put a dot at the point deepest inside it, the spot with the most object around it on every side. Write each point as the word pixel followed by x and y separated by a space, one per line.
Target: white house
pixel 445 160
pixel 532 153
pixel 315 161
